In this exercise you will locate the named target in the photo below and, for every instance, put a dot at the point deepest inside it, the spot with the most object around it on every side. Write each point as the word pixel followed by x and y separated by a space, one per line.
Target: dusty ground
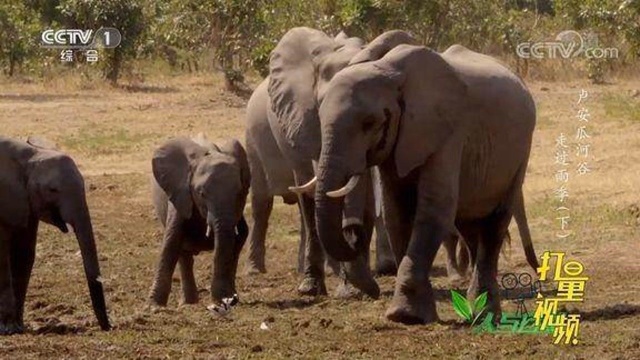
pixel 112 133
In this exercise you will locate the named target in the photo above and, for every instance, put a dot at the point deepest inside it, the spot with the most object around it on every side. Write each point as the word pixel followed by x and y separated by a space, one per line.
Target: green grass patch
pixel 96 140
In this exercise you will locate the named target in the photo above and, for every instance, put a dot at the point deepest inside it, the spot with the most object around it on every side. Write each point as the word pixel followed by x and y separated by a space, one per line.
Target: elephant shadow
pixel 611 312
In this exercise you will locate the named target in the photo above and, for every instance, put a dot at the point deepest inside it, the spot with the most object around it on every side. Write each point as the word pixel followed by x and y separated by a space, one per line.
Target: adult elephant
pixel 38 183
pixel 451 134
pixel 283 139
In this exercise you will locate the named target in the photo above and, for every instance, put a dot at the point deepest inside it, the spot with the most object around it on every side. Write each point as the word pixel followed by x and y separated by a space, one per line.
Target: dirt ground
pixel 111 134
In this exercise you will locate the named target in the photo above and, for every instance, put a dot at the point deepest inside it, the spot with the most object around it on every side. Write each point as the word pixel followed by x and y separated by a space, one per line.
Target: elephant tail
pixel 523 227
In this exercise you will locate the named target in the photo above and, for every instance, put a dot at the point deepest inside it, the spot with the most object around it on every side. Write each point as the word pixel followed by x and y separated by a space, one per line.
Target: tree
pixel 18 33
pixel 126 16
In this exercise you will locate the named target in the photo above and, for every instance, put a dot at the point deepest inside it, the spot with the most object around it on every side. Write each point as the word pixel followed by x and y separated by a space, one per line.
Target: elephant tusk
pixel 353 182
pixel 307 188
pixel 208 233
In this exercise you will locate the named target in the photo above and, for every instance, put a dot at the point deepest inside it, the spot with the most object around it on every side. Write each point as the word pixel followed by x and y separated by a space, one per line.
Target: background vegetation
pixel 236 36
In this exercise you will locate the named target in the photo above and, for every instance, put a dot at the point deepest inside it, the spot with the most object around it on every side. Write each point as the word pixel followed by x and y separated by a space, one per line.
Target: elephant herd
pixel 424 147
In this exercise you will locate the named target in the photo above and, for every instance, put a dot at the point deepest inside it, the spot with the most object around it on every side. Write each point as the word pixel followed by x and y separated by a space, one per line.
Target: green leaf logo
pixel 461 305
pixel 479 303
pixel 467 310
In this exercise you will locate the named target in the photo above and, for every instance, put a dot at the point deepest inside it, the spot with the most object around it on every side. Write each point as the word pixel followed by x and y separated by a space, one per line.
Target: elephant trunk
pixel 84 233
pixel 329 211
pixel 225 258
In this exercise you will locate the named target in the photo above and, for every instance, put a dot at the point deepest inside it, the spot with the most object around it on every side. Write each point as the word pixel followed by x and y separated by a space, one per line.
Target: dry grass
pixel 111 134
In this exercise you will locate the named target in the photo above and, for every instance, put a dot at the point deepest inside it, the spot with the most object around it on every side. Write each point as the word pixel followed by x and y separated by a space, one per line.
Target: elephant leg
pixel 398 211
pixel 463 257
pixel 385 260
pixel 450 245
pixel 413 301
pixel 434 221
pixel 313 282
pixel 23 252
pixel 457 257
pixel 356 275
pixel 188 280
pixel 171 248
pixel 330 265
pixel 302 243
pixel 261 207
pixel 486 266
pixel 9 322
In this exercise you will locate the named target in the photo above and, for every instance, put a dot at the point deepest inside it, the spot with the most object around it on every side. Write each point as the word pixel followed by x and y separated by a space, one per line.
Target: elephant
pixel 283 140
pixel 451 134
pixel 458 269
pixel 272 177
pixel 40 183
pixel 199 193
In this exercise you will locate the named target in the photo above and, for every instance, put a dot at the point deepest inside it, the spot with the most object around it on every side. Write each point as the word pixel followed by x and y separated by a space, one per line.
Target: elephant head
pixel 210 183
pixel 397 109
pixel 50 188
pixel 301 67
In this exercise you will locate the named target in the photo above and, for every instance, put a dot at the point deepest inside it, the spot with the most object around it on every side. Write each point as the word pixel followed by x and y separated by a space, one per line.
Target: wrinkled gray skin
pixel 199 193
pixel 37 184
pixel 282 148
pixel 451 134
pixel 457 265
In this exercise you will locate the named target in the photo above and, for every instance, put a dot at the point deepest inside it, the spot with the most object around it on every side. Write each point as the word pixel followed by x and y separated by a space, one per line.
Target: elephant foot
pixel 189 301
pixel 346 291
pixel 252 268
pixel 413 301
pixel 386 268
pixel 356 285
pixel 10 328
pixel 312 287
pixel 411 309
pixel 154 304
pixel 409 315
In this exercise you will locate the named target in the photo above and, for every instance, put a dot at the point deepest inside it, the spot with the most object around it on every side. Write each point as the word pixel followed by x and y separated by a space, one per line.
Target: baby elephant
pixel 38 183
pixel 199 194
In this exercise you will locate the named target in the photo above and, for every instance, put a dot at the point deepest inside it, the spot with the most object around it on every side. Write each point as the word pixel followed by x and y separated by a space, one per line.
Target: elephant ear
pixel 292 80
pixel 382 45
pixel 342 39
pixel 14 197
pixel 202 140
pixel 41 143
pixel 235 149
pixel 433 97
pixel 173 164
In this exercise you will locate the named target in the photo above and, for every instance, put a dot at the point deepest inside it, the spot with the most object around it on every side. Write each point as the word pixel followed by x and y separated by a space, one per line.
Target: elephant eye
pixel 368 124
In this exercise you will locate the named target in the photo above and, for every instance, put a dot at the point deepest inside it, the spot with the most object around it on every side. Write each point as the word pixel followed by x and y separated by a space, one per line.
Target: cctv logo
pixel 71 37
pixel 80 39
